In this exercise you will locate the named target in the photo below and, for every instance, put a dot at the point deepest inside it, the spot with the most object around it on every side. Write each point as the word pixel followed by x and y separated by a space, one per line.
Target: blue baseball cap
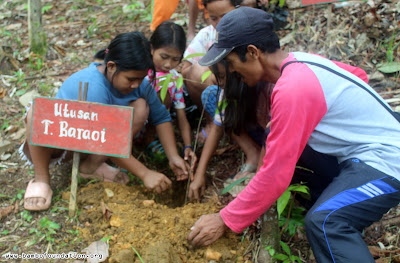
pixel 239 27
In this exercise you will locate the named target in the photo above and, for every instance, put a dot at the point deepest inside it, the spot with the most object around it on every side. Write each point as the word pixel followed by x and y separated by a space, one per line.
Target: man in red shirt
pixel 323 115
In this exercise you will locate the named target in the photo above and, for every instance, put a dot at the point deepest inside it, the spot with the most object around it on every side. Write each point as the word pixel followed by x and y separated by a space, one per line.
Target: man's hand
pixel 207 230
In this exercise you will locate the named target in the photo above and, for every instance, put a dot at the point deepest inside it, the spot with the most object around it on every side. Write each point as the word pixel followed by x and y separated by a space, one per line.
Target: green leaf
pixel 298 188
pixel 283 201
pixel 179 83
pixel 137 253
pixel 164 89
pixel 20 92
pixel 194 55
pixel 229 187
pixel 293 258
pixel 4 196
pixel 53 225
pixel 285 247
pixel 389 67
pixel 106 239
pixel 271 251
pixel 281 257
pixel 205 75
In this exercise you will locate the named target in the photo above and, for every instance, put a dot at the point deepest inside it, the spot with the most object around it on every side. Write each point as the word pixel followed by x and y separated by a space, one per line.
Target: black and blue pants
pixel 348 197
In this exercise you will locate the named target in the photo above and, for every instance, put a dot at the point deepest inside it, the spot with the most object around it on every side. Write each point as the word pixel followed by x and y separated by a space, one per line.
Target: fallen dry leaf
pixel 4 211
pixel 99 248
pixel 106 210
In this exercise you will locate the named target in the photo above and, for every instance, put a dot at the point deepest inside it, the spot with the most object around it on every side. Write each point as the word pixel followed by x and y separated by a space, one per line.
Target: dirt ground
pixel 130 218
pixel 157 229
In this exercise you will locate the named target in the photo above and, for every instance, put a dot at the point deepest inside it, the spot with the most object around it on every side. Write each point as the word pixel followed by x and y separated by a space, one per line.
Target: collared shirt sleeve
pixel 200 43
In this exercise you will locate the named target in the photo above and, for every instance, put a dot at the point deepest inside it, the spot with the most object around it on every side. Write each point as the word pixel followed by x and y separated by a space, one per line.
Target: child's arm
pixel 184 128
pixel 167 138
pixel 151 179
pixel 198 185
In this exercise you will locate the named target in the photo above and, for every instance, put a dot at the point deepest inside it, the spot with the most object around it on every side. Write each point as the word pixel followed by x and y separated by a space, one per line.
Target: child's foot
pixel 37 196
pixel 245 170
pixel 107 173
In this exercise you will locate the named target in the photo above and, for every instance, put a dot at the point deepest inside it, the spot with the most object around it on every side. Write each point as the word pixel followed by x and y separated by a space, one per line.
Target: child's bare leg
pixel 40 157
pixel 193 14
pixel 250 148
pixel 152 180
pixel 94 167
pixel 91 163
pixel 195 86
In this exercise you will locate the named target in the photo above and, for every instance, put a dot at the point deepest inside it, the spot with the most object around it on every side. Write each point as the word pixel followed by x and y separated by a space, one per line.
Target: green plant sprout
pixel 285 257
pixel 106 239
pixel 20 76
pixel 283 200
pixel 46 8
pixel 138 11
pixel 36 63
pixel 5 125
pixel 166 79
pixel 390 66
pixel 92 28
pixel 289 217
pixel 137 253
pixel 45 230
pixel 26 215
pixel 20 193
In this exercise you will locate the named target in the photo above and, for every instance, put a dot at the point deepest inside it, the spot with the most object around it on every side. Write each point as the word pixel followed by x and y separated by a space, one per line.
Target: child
pixel 168 43
pixel 117 81
pixel 191 70
pixel 241 115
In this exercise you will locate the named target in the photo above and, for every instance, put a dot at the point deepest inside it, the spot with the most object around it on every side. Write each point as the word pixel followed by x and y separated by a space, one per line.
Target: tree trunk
pixel 269 235
pixel 37 37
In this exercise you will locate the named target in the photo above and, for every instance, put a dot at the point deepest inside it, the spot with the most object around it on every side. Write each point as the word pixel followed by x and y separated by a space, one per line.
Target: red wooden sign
pixel 311 2
pixel 82 126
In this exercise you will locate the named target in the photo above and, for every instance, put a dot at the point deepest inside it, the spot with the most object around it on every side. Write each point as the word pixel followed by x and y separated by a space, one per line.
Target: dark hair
pixel 169 34
pixel 129 51
pixel 241 101
pixel 233 2
pixel 266 43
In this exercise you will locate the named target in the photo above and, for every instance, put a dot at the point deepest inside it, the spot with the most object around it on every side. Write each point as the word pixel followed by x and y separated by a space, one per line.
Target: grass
pixel 137 253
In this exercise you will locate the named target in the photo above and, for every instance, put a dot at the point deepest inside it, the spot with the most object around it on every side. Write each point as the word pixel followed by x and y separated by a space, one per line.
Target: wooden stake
pixel 75 163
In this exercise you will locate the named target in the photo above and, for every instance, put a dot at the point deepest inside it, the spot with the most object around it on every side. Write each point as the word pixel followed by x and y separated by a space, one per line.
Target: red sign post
pixel 82 126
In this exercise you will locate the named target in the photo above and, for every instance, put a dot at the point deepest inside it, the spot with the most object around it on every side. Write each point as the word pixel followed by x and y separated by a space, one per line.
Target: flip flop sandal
pixel 236 189
pixel 114 175
pixel 155 147
pixel 251 168
pixel 38 190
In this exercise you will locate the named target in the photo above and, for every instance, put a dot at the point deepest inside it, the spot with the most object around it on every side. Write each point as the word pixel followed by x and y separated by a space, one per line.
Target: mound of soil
pixel 156 226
